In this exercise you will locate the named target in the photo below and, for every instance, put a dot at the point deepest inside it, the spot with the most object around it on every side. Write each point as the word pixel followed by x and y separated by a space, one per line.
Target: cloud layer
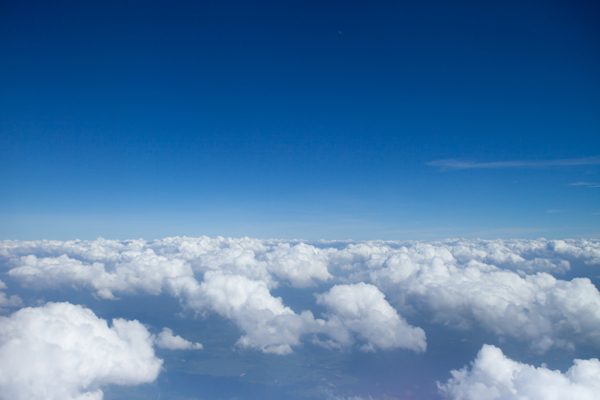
pixel 63 351
pixel 509 287
pixel 493 376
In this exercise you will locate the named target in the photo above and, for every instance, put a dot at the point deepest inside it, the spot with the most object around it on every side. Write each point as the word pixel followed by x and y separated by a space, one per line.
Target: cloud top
pixel 8 302
pixel 362 308
pixel 63 351
pixel 166 340
pixel 493 376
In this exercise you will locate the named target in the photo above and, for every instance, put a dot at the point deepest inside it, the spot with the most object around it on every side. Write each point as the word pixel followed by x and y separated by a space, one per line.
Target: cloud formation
pixel 537 308
pixel 455 164
pixel 493 376
pixel 271 327
pixel 135 272
pixel 509 287
pixel 362 308
pixel 8 302
pixel 166 340
pixel 63 351
pixel 267 324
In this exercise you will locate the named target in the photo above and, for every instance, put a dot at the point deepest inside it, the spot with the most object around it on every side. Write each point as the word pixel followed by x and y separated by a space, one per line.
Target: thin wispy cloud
pixel 455 164
pixel 588 184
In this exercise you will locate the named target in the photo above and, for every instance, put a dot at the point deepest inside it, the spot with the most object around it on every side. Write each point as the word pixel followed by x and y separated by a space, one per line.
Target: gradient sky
pixel 299 119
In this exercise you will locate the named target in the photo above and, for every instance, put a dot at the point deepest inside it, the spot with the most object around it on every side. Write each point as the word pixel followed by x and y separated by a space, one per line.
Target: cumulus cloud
pixel 362 308
pixel 271 327
pixel 271 261
pixel 509 287
pixel 267 324
pixel 166 340
pixel 538 308
pixel 8 302
pixel 64 351
pixel 141 271
pixel 116 262
pixel 494 376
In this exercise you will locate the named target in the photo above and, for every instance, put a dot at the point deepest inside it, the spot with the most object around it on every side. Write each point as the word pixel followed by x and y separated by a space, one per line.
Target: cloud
pixel 140 271
pixel 537 308
pixel 272 261
pixel 8 302
pixel 63 351
pixel 166 340
pixel 143 262
pixel 362 308
pixel 267 324
pixel 455 164
pixel 271 327
pixel 509 287
pixel 495 376
pixel 588 184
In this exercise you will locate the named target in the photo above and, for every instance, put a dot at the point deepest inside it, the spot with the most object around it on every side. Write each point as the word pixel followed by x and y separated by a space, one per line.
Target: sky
pixel 299 120
pixel 300 200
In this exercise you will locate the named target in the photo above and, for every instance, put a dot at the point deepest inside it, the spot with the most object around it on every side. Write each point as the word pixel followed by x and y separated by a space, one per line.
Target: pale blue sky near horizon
pixel 310 120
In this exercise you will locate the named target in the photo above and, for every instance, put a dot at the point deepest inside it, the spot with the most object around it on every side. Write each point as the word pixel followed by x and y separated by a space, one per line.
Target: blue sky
pixel 312 120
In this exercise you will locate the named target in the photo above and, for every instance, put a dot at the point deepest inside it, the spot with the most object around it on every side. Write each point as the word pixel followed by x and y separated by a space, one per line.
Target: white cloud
pixel 455 164
pixel 269 260
pixel 588 184
pixel 8 302
pixel 267 324
pixel 503 285
pixel 494 376
pixel 537 308
pixel 166 340
pixel 63 351
pixel 362 308
pixel 271 327
pixel 299 264
pixel 139 271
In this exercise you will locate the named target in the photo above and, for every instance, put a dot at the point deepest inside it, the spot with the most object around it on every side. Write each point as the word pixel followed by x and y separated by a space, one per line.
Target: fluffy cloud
pixel 8 302
pixel 495 376
pixel 166 340
pixel 362 309
pixel 140 271
pixel 538 308
pixel 271 327
pixel 509 287
pixel 119 266
pixel 271 261
pixel 529 256
pixel 267 324
pixel 63 351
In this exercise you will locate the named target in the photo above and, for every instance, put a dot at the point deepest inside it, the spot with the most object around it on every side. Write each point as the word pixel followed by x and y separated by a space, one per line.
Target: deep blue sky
pixel 298 119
